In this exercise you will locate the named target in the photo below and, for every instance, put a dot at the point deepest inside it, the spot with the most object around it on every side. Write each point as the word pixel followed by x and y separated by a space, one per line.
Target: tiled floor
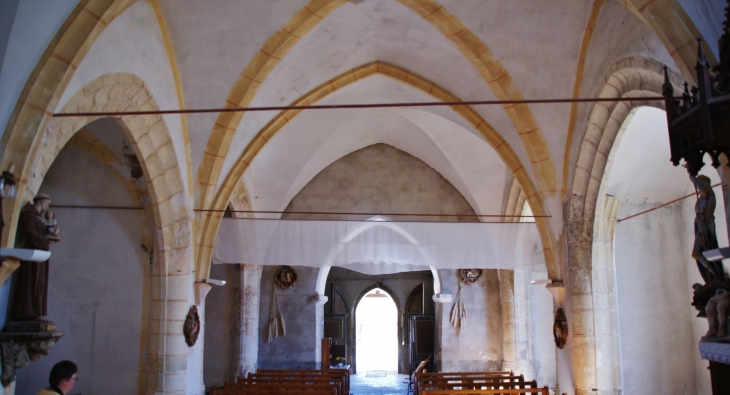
pixel 378 382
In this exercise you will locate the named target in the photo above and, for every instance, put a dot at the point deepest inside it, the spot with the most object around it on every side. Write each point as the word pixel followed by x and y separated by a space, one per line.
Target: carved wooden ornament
pixel 560 329
pixel 191 327
pixel 286 277
pixel 470 276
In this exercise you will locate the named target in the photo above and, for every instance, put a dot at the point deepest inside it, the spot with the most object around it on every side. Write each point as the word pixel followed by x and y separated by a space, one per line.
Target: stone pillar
pixel 170 304
pixel 509 348
pixel 201 291
pixel 440 303
pixel 247 342
pixel 523 330
pixel 608 369
pixel 579 235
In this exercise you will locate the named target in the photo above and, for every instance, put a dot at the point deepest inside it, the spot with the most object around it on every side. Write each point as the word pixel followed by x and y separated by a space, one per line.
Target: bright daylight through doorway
pixel 377 332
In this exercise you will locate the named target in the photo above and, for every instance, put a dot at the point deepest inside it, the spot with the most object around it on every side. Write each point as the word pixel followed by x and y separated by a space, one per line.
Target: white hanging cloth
pixel 375 247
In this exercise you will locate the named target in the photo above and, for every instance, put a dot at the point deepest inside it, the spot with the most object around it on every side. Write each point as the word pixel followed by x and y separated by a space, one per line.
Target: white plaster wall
pixel 479 346
pixel 96 276
pixel 214 42
pixel 36 22
pixel 553 31
pixel 133 43
pixel 299 348
pixel 657 342
pixel 380 179
pixel 708 16
pixel 355 34
pixel 8 9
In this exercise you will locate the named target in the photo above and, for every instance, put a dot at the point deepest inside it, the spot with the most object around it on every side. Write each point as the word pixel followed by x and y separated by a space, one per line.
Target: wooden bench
pixel 450 384
pixel 468 381
pixel 340 374
pixel 316 380
pixel 510 391
pixel 274 391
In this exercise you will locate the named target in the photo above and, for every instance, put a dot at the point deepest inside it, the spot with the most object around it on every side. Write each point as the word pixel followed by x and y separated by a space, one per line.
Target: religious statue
pixel 704 227
pixel 717 311
pixel 51 224
pixel 30 292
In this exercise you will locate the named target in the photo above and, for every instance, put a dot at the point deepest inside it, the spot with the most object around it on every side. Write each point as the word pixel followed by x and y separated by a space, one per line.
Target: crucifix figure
pixel 704 227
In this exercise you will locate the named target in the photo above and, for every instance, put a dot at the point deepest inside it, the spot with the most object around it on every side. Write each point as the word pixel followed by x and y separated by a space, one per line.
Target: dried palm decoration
pixel 276 320
pixel 458 312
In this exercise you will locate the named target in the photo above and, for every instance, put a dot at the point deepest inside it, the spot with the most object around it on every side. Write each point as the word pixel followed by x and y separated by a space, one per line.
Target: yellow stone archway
pixel 449 25
pixel 169 207
pixel 210 220
pixel 592 353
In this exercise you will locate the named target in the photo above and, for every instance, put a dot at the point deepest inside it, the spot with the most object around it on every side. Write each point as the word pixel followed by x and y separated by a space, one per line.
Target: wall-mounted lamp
pixel 8 188
pixel 131 158
pixel 541 282
pixel 219 283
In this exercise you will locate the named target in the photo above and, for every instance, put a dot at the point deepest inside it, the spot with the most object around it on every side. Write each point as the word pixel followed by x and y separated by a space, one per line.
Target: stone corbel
pixel 442 298
pixel 318 299
pixel 19 349
pixel 557 289
pixel 201 291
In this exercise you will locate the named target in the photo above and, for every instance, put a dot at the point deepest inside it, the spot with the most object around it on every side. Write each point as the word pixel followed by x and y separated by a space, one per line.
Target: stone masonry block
pixel 580 281
pixel 582 323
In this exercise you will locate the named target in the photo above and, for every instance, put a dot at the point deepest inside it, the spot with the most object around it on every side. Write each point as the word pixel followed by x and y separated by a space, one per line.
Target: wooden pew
pixel 510 391
pixel 467 384
pixel 314 380
pixel 466 379
pixel 273 391
pixel 341 374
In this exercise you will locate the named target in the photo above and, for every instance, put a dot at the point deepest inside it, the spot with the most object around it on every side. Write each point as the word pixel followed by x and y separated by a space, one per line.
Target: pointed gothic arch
pixel 210 220
pixel 152 144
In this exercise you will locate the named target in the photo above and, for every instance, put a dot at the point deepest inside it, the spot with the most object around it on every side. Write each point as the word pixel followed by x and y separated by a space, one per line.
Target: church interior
pixel 236 180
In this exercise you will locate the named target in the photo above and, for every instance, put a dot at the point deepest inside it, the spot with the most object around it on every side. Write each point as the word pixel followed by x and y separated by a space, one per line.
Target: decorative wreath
pixel 560 329
pixel 286 277
pixel 191 327
pixel 470 276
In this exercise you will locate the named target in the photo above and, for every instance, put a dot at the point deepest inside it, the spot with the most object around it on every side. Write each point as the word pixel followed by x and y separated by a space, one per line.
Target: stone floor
pixel 378 382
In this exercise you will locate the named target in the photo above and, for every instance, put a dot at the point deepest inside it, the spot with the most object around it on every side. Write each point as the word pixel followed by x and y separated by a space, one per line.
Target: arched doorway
pixel 376 317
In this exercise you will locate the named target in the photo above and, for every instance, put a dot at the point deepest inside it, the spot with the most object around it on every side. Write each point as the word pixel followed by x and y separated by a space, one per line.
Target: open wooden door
pixel 336 324
pixel 421 329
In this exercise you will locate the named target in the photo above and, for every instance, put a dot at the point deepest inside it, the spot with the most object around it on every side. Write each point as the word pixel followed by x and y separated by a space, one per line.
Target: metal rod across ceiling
pixel 358 106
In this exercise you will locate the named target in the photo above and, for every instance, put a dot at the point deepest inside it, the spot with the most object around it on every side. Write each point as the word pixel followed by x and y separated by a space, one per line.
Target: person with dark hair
pixel 62 379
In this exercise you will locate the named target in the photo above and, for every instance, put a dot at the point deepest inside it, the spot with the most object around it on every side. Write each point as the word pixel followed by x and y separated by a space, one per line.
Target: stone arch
pixel 44 88
pixel 210 220
pixel 279 44
pixel 85 141
pixel 594 355
pixel 631 77
pixel 152 144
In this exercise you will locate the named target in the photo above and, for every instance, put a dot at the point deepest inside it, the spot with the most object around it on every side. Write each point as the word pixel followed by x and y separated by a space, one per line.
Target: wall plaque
pixel 470 276
pixel 191 327
pixel 286 277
